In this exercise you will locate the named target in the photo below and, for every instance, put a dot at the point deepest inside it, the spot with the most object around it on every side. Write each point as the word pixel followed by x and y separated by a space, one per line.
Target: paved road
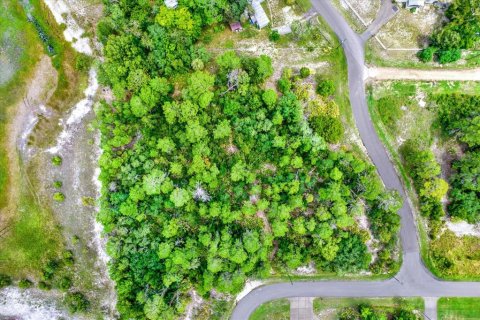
pixel 413 280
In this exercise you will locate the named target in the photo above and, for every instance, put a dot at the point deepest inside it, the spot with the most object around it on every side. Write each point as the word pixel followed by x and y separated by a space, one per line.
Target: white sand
pixel 463 228
pixel 249 286
pixel 73 32
pixel 79 111
pixel 29 305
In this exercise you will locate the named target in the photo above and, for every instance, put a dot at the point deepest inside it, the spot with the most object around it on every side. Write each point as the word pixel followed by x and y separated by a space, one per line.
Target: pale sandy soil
pixel 410 30
pixel 463 228
pixel 379 73
pixel 249 286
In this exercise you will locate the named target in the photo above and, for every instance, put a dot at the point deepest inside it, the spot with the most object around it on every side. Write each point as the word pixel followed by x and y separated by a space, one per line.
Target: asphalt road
pixel 413 279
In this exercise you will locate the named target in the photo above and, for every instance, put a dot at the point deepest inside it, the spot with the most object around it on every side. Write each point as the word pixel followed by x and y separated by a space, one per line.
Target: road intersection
pixel 413 279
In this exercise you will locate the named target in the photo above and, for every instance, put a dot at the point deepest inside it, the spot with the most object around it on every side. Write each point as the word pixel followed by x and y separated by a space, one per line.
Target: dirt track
pixel 377 73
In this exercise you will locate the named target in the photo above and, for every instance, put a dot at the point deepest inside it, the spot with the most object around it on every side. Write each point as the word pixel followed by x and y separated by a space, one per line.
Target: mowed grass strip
pixel 458 308
pixel 273 310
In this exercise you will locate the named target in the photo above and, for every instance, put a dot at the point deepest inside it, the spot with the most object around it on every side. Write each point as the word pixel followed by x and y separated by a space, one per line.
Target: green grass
pixel 272 310
pixel 22 35
pixel 31 236
pixel 379 304
pixel 458 308
pixel 32 240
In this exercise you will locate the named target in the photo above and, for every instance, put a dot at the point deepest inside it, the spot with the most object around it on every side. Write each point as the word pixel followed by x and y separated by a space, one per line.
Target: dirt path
pixel 377 73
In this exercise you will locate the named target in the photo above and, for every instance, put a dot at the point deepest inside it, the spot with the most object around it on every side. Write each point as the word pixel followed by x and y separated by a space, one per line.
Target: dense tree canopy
pixel 459 32
pixel 209 178
pixel 459 116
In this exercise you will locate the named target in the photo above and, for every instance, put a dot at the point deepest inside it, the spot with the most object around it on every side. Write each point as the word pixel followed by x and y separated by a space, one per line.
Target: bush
pixel 5 280
pixel 57 161
pixel 304 72
pixel 50 269
pixel 76 302
pixel 83 62
pixel 68 257
pixel 57 184
pixel 25 283
pixel 389 109
pixel 42 285
pixel 284 85
pixel 64 283
pixel 426 55
pixel 274 36
pixel 447 56
pixel 326 88
pixel 59 197
pixel 331 129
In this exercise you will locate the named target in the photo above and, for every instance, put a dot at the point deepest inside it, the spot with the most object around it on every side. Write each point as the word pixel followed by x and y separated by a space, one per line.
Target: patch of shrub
pixel 42 285
pixel 50 269
pixel 330 128
pixel 83 62
pixel 57 184
pixel 5 280
pixel 448 56
pixel 390 110
pixel 64 283
pixel 304 72
pixel 426 55
pixel 59 197
pixel 326 88
pixel 25 283
pixel 68 257
pixel 57 161
pixel 274 36
pixel 76 302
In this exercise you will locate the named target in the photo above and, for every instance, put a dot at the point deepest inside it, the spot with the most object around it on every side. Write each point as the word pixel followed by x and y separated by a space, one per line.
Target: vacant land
pixel 458 308
pixel 405 111
pixel 330 308
pixel 273 310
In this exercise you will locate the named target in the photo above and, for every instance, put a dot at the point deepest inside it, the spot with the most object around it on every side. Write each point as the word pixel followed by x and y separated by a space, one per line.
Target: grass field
pixel 273 310
pixel 328 308
pixel 20 56
pixel 458 308
pixel 30 234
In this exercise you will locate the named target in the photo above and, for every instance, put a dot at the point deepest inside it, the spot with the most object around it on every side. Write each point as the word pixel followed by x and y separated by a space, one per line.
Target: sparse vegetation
pixel 25 283
pixel 5 280
pixel 57 161
pixel 76 302
pixel 59 197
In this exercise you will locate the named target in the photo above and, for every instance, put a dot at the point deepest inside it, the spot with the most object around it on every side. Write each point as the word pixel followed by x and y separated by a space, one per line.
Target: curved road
pixel 413 280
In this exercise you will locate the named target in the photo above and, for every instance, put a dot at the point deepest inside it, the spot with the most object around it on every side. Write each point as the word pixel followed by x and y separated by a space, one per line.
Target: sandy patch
pixel 31 304
pixel 249 286
pixel 410 30
pixel 79 111
pixel 73 32
pixel 463 228
pixel 306 270
pixel 193 305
